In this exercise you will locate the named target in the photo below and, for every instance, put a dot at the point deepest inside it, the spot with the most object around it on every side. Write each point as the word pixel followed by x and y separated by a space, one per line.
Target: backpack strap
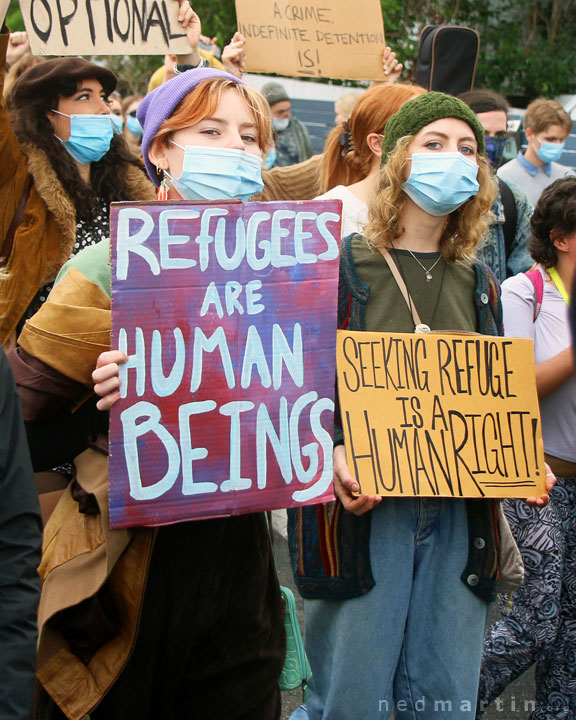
pixel 6 249
pixel 510 216
pixel 535 277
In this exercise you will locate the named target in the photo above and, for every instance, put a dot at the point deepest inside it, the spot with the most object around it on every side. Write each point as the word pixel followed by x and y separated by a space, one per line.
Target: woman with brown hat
pixel 178 621
pixel 61 165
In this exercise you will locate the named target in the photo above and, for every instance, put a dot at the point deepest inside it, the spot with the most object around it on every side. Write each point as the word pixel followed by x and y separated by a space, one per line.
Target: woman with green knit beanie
pixel 395 624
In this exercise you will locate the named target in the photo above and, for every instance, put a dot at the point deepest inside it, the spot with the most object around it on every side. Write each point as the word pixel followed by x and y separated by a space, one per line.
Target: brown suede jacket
pixel 45 238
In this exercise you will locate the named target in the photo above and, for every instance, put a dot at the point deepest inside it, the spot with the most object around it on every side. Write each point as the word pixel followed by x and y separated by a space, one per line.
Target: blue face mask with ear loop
pixel 118 122
pixel 550 152
pixel 439 182
pixel 134 126
pixel 495 145
pixel 218 174
pixel 90 136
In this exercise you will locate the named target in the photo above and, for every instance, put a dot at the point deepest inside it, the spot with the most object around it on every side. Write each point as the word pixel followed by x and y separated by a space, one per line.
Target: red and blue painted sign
pixel 227 312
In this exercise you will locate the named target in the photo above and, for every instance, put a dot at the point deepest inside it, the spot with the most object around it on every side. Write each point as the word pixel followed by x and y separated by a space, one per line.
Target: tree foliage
pixel 526 46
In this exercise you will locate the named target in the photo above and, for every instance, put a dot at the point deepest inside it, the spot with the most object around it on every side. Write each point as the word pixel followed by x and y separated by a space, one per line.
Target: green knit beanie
pixel 423 110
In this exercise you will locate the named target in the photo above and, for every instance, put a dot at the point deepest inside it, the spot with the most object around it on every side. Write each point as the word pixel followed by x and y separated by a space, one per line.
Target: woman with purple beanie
pixel 183 620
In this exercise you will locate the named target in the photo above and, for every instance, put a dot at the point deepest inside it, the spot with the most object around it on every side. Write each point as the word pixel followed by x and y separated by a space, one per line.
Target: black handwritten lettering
pixel 155 22
pixel 363 367
pixel 350 344
pixel 171 35
pixel 457 450
pixel 507 372
pixel 124 35
pixel 42 34
pixel 65 19
pixel 404 400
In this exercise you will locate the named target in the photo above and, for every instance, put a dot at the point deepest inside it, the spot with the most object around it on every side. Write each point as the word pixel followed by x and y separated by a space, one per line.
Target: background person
pixel 537 623
pixel 61 165
pixel 396 586
pixel 547 125
pixel 20 547
pixel 353 154
pixel 292 141
pixel 505 247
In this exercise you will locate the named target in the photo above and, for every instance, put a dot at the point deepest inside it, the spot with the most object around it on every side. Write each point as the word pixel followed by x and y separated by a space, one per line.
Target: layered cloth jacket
pixel 96 600
pixel 45 238
pixel 80 553
pixel 330 547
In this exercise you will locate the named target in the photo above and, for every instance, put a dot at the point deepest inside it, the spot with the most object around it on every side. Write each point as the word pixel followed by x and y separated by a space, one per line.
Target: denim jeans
pixel 411 645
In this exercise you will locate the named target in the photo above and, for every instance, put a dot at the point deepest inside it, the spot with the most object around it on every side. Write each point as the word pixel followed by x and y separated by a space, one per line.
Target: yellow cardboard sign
pixel 336 39
pixel 440 415
pixel 104 27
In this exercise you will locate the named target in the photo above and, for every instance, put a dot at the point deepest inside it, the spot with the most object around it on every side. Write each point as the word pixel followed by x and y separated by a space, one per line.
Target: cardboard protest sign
pixel 228 313
pixel 337 39
pixel 440 415
pixel 4 4
pixel 104 27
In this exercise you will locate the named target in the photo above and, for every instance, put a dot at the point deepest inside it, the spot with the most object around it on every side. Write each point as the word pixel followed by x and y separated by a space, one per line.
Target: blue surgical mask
pixel 271 158
pixel 118 122
pixel 280 123
pixel 90 137
pixel 495 145
pixel 134 126
pixel 440 182
pixel 218 174
pixel 550 152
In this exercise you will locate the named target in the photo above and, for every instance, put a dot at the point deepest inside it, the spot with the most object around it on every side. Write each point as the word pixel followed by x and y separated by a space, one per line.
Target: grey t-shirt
pixel 551 334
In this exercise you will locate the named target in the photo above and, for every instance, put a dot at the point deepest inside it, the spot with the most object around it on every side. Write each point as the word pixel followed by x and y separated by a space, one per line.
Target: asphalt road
pixel 514 704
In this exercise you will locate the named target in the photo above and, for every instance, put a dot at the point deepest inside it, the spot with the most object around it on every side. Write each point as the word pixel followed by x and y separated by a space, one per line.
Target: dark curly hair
pixel 107 176
pixel 554 217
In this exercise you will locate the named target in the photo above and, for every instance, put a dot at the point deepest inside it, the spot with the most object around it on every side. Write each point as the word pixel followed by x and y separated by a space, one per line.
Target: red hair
pixel 202 102
pixel 369 115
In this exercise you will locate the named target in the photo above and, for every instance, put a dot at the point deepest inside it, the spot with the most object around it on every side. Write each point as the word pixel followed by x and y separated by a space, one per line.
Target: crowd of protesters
pixel 187 620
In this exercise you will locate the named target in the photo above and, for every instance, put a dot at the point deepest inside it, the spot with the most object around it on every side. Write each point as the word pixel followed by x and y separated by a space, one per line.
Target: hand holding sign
pixel 106 379
pixel 346 488
pixel 234 55
pixel 191 23
pixel 18 45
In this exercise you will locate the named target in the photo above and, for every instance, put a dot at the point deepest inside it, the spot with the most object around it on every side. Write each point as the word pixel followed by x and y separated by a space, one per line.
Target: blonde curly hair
pixel 465 227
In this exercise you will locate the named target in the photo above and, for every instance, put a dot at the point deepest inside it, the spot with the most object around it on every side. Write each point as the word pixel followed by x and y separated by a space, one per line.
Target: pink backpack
pixel 535 277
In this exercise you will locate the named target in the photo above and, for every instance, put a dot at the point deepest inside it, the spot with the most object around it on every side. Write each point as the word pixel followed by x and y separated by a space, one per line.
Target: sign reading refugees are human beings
pixel 103 27
pixel 336 39
pixel 227 312
pixel 440 415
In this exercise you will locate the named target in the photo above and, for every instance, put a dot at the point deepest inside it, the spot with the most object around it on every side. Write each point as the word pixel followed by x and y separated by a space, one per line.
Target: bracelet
pixel 179 69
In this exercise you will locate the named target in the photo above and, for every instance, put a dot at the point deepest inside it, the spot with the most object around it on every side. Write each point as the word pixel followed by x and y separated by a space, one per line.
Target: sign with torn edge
pixel 227 312
pixel 104 27
pixel 433 415
pixel 336 39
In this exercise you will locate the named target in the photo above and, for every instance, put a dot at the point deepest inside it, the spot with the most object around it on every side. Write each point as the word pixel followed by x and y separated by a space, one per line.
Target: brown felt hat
pixel 46 79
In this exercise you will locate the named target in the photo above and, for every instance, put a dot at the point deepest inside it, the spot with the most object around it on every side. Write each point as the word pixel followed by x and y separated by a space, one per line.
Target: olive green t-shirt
pixel 444 303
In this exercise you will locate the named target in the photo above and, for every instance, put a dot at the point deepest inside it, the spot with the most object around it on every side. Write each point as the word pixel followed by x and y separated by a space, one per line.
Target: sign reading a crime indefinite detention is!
pixel 336 39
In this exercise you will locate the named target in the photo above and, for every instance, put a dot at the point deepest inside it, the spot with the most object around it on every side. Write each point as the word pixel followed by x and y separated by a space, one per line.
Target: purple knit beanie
pixel 159 105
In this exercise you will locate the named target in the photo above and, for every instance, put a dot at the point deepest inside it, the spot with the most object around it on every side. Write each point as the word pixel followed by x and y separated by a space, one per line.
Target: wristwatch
pixel 179 69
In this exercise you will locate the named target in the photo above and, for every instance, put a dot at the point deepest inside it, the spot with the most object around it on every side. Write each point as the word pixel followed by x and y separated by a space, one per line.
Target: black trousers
pixel 211 641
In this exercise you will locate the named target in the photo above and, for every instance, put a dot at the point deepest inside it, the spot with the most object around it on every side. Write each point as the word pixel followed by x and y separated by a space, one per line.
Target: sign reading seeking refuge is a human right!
pixel 434 415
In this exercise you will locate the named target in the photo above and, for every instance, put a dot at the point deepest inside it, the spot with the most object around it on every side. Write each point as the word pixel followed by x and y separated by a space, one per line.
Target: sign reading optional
pixel 228 315
pixel 440 415
pixel 104 27
pixel 336 39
